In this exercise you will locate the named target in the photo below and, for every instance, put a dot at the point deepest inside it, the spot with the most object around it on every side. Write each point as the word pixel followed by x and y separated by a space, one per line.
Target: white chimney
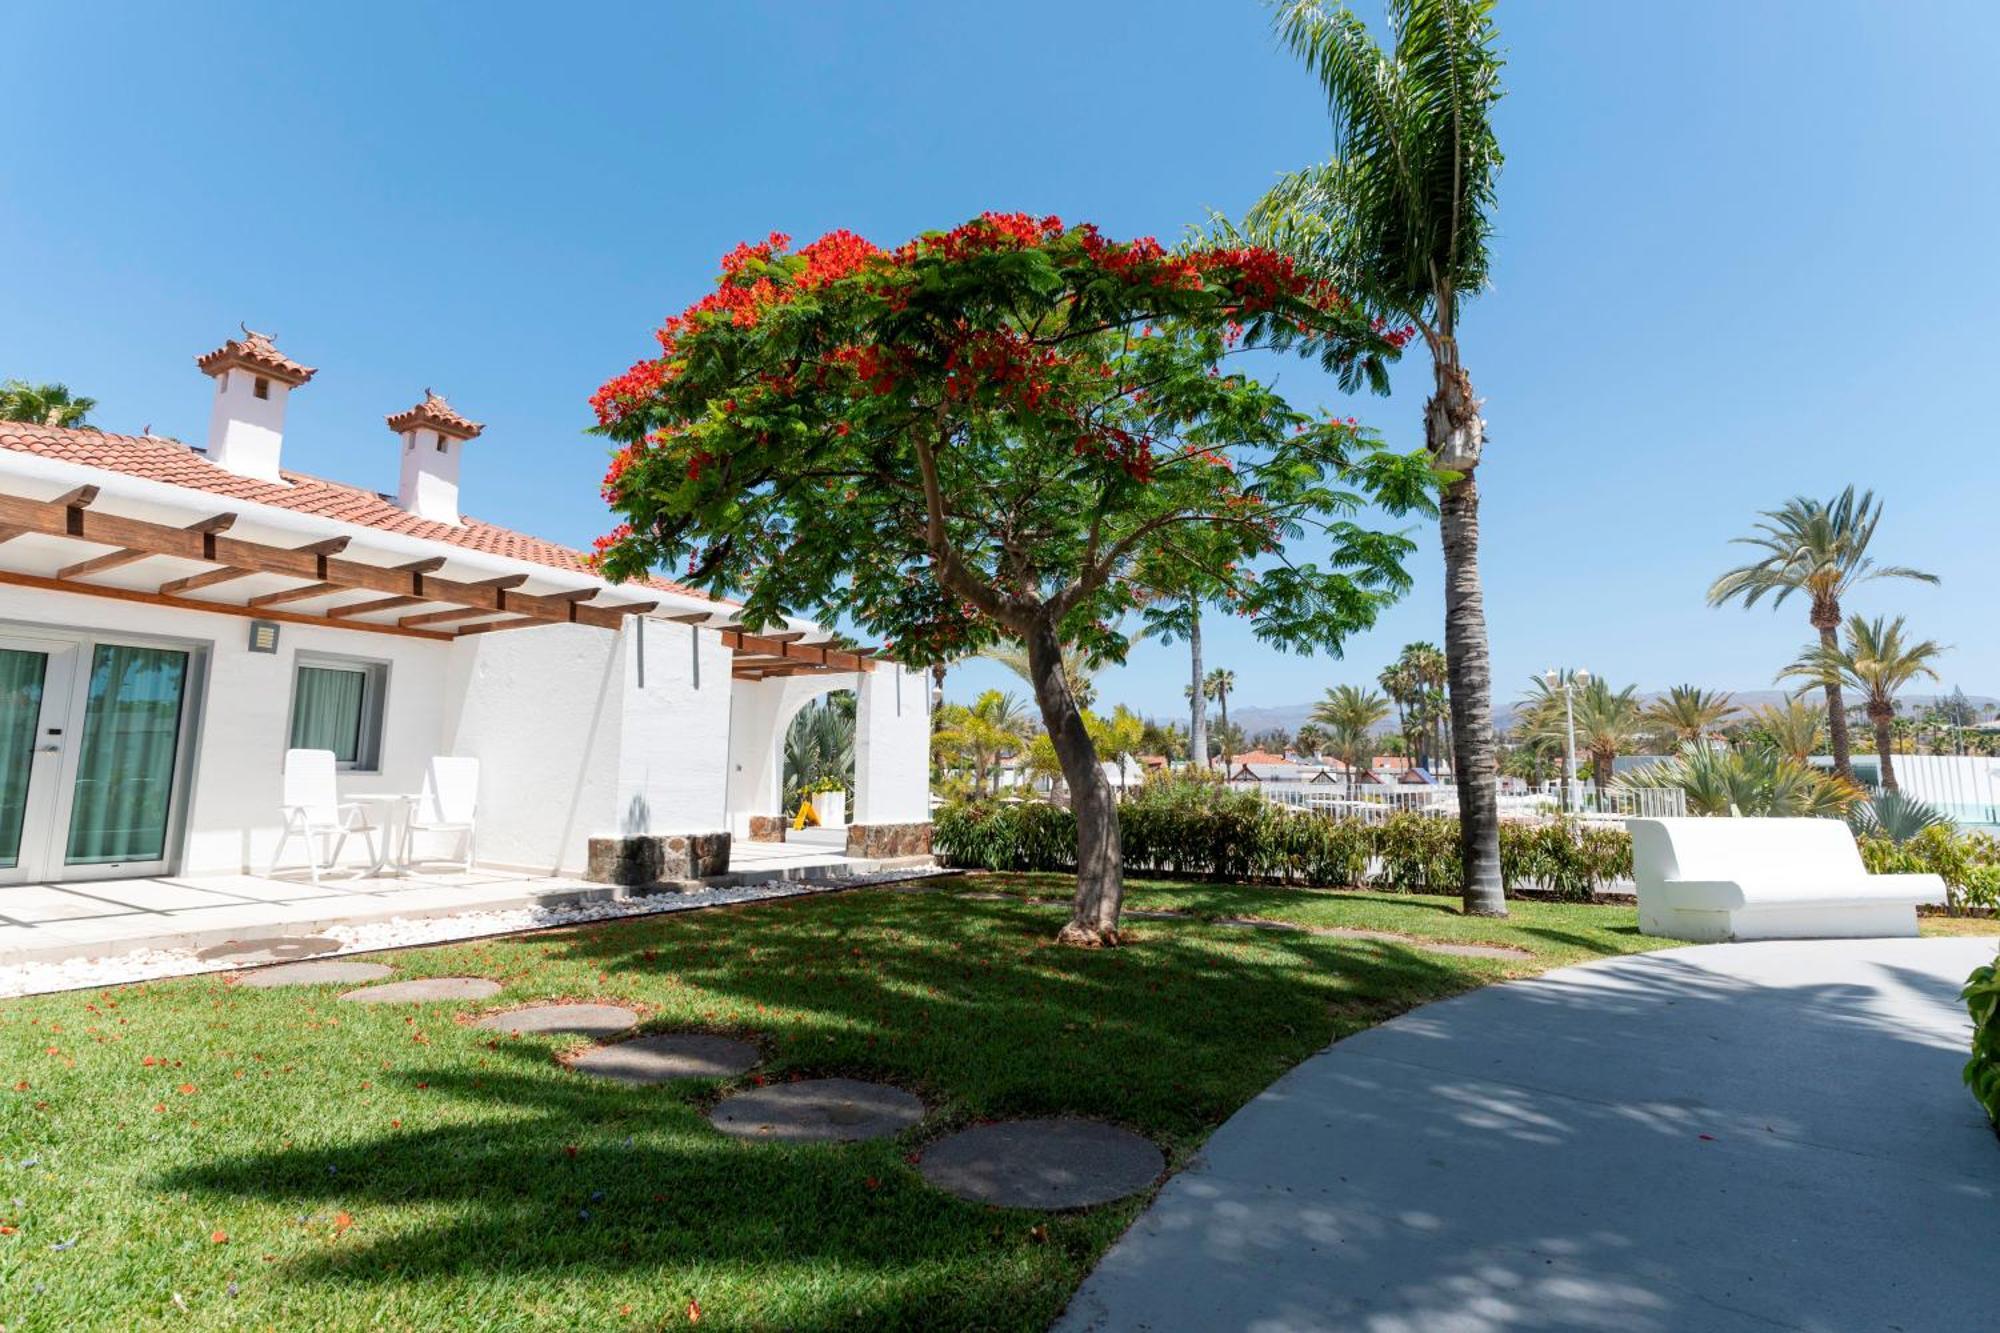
pixel 246 427
pixel 432 435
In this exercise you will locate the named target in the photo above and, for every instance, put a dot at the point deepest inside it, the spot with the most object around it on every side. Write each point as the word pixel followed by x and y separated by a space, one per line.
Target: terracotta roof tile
pixel 255 351
pixel 157 458
pixel 438 415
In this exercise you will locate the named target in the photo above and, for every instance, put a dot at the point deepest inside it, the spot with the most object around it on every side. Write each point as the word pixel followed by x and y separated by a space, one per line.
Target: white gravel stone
pixel 401 932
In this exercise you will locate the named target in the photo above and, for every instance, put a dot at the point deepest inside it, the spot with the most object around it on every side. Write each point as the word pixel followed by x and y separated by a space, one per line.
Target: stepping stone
pixel 1046 1164
pixel 592 1020
pixel 665 1056
pixel 840 1110
pixel 277 949
pixel 326 972
pixel 424 989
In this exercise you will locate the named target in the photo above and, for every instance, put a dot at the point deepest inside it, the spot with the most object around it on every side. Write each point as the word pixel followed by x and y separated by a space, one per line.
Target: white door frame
pixel 52 781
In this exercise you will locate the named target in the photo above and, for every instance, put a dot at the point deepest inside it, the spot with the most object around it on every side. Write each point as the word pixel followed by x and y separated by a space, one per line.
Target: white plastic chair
pixel 449 804
pixel 314 812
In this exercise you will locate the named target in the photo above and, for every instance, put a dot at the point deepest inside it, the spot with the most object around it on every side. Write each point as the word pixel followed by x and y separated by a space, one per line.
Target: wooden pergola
pixel 458 609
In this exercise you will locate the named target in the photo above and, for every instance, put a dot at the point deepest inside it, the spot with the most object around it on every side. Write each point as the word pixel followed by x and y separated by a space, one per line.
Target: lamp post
pixel 1555 680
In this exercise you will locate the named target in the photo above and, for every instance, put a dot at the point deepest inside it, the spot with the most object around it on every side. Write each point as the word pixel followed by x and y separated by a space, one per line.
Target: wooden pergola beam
pixel 445 617
pixel 207 580
pixel 813 654
pixel 70 516
pixel 8 576
pixel 349 610
pixel 284 595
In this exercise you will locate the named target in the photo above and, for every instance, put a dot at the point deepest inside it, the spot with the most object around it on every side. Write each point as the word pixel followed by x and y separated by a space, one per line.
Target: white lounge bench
pixel 1767 879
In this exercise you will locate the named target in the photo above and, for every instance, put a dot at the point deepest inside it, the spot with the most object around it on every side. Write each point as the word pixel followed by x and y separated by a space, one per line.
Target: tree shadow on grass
pixel 538 1170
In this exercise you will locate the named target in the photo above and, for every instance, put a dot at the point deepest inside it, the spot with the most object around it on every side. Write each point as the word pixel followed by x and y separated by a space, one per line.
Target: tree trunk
pixel 1827 620
pixel 1100 877
pixel 1453 433
pixel 1198 704
pixel 1228 760
pixel 1885 745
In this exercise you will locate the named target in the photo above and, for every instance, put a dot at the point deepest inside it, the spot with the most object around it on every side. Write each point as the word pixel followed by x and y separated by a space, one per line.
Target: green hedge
pixel 1219 834
pixel 1969 863
pixel 1982 1071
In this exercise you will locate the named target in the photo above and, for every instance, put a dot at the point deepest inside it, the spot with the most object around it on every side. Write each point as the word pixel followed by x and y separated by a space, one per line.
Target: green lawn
pixel 190 1154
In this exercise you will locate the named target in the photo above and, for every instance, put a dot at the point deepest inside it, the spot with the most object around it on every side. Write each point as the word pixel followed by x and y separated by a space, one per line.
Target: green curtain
pixel 326 711
pixel 21 676
pixel 125 776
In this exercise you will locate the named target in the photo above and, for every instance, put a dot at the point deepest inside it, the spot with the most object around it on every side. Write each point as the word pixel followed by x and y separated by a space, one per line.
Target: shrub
pixel 1210 831
pixel 1969 863
pixel 1982 1071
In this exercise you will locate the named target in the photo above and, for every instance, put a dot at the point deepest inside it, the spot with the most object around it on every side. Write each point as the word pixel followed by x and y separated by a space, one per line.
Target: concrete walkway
pixel 1738 1136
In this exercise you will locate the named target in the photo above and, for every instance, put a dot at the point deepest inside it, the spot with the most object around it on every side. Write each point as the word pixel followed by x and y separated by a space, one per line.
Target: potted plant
pixel 829 802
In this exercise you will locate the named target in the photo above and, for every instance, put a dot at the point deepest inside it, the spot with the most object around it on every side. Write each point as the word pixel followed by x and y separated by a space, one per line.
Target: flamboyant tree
pixel 992 434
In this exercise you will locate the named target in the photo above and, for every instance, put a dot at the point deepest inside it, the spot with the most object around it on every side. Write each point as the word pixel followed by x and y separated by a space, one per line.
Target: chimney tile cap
pixel 434 413
pixel 255 351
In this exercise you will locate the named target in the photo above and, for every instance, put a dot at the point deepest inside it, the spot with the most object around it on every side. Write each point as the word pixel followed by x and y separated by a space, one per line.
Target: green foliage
pixel 1982 1071
pixel 1894 816
pixel 1199 828
pixel 819 748
pixel 45 405
pixel 1746 780
pixel 1969 863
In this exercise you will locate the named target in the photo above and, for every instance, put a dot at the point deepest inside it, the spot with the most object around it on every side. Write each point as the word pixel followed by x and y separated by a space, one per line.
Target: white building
pixel 172 619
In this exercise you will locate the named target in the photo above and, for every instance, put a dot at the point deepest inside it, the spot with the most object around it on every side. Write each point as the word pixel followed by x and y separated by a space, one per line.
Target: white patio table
pixel 394 806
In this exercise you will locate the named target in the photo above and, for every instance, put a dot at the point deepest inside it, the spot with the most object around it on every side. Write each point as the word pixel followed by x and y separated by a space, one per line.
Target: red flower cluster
pixel 1008 361
pixel 621 462
pixel 620 395
pixel 834 256
pixel 986 233
pixel 874 367
pixel 603 545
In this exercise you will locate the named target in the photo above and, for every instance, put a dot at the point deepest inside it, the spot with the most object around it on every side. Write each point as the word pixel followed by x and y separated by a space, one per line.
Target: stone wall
pixel 767 828
pixel 646 859
pixel 881 842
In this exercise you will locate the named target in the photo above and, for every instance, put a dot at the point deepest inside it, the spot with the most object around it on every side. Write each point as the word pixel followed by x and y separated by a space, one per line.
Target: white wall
pixel 892 740
pixel 577 741
pixel 246 434
pixel 231 815
pixel 892 747
pixel 761 711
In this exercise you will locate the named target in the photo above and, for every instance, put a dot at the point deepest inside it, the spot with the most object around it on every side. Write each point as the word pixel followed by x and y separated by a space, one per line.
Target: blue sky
pixel 1742 252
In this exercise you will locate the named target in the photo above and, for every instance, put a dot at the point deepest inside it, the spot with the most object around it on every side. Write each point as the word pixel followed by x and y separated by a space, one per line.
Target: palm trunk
pixel 1198 703
pixel 1100 878
pixel 1826 622
pixel 1885 746
pixel 1452 432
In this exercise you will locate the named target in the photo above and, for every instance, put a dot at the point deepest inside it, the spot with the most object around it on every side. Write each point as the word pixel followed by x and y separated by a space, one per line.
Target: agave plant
pixel 1894 816
pixel 1747 781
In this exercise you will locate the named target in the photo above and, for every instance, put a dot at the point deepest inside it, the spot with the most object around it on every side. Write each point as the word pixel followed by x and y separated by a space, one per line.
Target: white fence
pixel 1373 805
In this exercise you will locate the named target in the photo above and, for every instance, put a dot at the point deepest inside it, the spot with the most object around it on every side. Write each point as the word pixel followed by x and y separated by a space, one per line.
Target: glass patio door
pixel 91 745
pixel 123 765
pixel 35 677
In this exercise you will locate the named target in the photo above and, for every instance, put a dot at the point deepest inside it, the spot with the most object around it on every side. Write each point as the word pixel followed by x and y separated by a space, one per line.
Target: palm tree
pixel 1689 713
pixel 984 734
pixel 1350 714
pixel 1216 685
pixel 1876 662
pixel 1818 548
pixel 1398 219
pixel 1750 780
pixel 44 405
pixel 1794 728
pixel 1607 724
pixel 1311 741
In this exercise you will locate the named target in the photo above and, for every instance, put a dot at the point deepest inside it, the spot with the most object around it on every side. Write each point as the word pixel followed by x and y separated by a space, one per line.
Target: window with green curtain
pixel 125 772
pixel 21 675
pixel 330 712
